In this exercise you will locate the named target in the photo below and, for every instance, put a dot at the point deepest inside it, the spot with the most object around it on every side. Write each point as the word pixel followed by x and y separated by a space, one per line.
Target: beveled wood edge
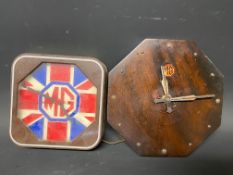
pixel 102 96
pixel 172 39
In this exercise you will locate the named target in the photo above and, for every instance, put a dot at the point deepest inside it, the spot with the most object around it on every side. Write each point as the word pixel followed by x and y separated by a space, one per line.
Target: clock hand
pixel 183 98
pixel 164 83
pixel 50 98
pixel 166 95
pixel 192 97
pixel 160 100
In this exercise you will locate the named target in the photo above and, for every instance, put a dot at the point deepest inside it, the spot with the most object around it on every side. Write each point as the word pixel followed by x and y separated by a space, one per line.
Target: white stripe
pixel 68 131
pixel 86 114
pixel 35 120
pixel 72 75
pixel 84 121
pixel 81 118
pixel 45 128
pixel 48 67
pixel 81 83
pixel 36 84
pixel 24 113
pixel 92 90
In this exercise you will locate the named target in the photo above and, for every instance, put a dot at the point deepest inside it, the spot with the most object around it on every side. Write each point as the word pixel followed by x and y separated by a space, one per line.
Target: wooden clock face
pixel 56 103
pixel 168 96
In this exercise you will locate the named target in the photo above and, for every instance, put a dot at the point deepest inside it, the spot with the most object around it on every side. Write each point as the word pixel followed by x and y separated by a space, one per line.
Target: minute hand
pixel 191 97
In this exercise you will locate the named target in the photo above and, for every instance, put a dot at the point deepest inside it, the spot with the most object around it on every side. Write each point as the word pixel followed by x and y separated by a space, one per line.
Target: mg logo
pixel 59 101
pixel 169 70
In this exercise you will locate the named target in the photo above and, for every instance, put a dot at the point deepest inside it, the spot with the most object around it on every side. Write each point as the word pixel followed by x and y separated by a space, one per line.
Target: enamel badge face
pixel 57 102
pixel 168 95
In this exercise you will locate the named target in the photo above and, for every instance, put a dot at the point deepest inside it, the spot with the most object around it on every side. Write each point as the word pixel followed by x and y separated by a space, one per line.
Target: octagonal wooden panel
pixel 135 83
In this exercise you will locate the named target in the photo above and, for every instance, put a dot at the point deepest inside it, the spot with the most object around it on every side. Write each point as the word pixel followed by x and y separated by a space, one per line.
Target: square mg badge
pixel 57 101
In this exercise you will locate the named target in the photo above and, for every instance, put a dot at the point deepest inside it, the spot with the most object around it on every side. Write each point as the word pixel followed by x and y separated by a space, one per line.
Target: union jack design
pixel 57 102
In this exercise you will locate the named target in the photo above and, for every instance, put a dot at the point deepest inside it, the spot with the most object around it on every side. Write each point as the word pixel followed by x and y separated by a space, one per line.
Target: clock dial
pixel 56 103
pixel 168 96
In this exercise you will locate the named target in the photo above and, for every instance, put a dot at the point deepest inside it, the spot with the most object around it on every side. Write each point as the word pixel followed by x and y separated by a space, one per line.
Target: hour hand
pixel 159 100
pixel 164 83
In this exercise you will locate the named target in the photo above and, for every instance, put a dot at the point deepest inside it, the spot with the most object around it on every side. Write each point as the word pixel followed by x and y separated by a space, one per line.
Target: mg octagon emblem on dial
pixel 59 101
pixel 56 104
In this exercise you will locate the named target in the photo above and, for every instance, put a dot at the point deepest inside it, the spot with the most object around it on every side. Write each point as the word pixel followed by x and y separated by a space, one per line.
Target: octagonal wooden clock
pixel 57 101
pixel 165 97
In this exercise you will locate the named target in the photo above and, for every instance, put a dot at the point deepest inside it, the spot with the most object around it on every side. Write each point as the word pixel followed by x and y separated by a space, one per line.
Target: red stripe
pixel 60 72
pixel 85 86
pixel 87 103
pixel 27 99
pixel 26 83
pixel 91 119
pixel 30 118
pixel 57 131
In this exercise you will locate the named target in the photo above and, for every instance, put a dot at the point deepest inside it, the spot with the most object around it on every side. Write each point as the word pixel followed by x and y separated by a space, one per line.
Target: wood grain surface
pixel 135 82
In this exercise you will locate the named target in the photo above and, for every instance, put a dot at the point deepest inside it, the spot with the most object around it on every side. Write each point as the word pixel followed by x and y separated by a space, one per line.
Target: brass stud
pixel 113 97
pixel 169 45
pixel 212 74
pixel 164 151
pixel 217 100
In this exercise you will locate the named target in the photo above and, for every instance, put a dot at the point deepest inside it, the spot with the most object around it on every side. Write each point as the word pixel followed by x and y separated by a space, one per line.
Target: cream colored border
pixel 61 58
